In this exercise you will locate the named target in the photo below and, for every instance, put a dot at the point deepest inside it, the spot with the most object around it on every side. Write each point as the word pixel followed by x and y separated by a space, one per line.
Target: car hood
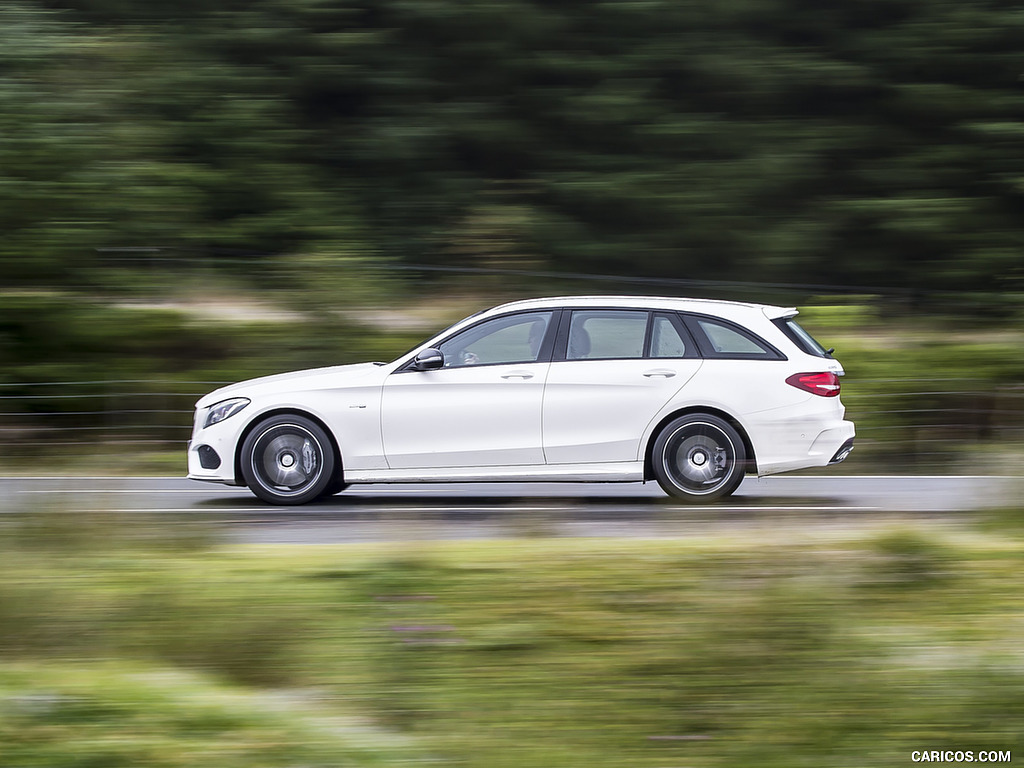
pixel 296 381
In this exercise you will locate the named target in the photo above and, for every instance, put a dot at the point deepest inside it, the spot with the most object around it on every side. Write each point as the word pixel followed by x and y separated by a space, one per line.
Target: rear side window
pixel 799 336
pixel 606 334
pixel 722 339
pixel 670 339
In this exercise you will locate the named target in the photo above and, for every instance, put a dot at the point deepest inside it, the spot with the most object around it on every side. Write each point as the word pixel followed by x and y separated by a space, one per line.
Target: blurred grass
pixel 148 641
pixel 112 715
pixel 96 461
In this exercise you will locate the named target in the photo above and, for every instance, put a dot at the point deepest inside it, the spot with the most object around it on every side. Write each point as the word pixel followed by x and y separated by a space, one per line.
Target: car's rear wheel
pixel 698 457
pixel 288 459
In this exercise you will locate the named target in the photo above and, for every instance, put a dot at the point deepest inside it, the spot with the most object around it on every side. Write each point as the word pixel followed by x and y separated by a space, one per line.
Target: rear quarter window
pixel 725 340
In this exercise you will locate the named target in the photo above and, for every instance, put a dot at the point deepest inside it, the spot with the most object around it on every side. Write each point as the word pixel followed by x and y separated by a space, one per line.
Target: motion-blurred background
pixel 200 191
pixel 193 193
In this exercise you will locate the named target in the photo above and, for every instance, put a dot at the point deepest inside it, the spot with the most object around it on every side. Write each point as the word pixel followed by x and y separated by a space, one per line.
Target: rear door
pixel 613 371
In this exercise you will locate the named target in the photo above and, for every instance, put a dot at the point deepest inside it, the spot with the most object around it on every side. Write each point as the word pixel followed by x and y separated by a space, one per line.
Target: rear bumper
pixel 819 444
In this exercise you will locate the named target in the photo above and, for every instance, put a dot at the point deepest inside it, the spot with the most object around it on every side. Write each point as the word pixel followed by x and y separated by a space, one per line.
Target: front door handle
pixel 519 375
pixel 664 373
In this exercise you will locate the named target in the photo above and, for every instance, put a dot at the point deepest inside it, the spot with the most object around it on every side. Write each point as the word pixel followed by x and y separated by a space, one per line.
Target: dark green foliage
pixel 862 143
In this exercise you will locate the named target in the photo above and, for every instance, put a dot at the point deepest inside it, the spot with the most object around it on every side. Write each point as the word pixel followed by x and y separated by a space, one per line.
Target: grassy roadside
pixel 115 714
pixel 155 644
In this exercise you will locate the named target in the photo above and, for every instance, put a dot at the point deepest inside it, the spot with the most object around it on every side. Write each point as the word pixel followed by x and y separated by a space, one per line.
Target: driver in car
pixel 536 338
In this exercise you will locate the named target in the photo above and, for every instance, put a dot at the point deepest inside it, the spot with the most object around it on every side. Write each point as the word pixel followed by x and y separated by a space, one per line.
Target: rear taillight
pixel 822 384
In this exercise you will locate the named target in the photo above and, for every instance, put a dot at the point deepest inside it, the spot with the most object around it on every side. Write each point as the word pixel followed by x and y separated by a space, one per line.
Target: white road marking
pixel 767 478
pixel 299 512
pixel 137 490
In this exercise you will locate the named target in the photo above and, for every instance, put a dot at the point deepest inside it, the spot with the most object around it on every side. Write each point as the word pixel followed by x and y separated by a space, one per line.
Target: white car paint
pixel 579 425
pixel 486 416
pixel 564 420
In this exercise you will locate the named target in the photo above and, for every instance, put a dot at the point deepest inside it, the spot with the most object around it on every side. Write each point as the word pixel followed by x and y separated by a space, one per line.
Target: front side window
pixel 604 334
pixel 503 340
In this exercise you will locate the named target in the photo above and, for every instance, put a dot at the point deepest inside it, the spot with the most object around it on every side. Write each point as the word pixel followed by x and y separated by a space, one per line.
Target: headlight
pixel 224 410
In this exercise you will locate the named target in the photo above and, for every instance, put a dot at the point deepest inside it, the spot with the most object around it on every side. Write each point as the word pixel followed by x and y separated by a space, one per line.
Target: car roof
pixel 733 310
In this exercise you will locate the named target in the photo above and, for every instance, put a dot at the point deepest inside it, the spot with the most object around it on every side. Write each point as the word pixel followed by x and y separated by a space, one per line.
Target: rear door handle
pixel 519 375
pixel 664 373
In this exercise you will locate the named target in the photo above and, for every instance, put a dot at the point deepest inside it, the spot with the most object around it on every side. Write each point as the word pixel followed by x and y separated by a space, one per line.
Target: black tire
pixel 288 460
pixel 336 486
pixel 698 457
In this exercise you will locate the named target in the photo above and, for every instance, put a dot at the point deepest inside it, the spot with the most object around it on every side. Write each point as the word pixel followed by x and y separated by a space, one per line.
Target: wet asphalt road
pixel 457 511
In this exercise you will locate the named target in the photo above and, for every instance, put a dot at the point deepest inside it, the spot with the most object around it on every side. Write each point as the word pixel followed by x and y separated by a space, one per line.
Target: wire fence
pixel 932 422
pixel 911 421
pixel 118 412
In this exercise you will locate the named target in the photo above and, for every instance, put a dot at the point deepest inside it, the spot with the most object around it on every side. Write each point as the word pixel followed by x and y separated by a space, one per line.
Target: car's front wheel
pixel 698 457
pixel 288 459
pixel 336 486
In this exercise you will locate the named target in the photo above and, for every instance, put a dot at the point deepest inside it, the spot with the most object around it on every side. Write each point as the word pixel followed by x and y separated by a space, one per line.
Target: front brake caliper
pixel 308 458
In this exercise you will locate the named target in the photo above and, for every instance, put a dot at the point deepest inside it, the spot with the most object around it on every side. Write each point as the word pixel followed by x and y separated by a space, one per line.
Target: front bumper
pixel 220 471
pixel 211 451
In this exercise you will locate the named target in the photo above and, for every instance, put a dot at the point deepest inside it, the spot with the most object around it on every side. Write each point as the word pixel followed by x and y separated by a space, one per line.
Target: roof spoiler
pixel 775 313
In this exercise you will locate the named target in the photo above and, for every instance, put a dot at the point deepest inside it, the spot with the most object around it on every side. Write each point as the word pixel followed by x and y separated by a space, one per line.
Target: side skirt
pixel 617 472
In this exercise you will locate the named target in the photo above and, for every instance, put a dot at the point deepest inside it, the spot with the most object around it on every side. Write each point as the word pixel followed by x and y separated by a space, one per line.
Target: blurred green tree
pixel 858 143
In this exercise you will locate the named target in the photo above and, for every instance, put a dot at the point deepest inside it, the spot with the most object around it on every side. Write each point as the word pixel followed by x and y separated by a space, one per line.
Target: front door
pixel 482 409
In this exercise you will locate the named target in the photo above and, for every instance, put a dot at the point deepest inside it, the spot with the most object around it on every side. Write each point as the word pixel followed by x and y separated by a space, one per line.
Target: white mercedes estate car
pixel 691 393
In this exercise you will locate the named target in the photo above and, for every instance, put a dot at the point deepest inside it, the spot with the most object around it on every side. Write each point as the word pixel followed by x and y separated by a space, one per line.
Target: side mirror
pixel 429 360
